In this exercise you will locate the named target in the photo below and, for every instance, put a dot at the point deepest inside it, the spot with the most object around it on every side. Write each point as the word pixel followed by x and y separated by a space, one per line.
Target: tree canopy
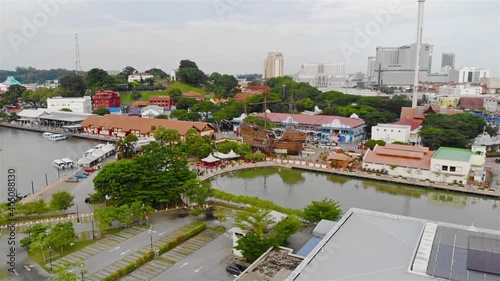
pixel 325 209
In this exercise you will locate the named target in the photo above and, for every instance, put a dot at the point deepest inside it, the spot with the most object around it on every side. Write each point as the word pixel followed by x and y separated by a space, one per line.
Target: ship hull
pixel 291 141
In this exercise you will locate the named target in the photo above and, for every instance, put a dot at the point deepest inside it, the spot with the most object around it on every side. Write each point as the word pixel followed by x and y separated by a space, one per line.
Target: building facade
pixel 106 99
pixel 139 77
pixel 468 74
pixel 448 59
pixel 323 75
pixel 370 71
pixel 391 133
pixel 396 66
pixel 457 90
pixel 163 101
pixel 77 105
pixel 273 66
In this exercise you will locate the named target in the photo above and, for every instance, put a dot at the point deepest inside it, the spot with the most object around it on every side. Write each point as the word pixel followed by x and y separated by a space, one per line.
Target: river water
pixel 31 155
pixel 296 189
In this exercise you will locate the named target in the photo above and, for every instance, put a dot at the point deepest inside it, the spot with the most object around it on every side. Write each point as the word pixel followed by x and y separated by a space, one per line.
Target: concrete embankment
pixel 322 168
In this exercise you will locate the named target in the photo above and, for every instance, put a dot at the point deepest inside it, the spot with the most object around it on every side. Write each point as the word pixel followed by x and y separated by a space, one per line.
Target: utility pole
pixel 78 67
pixel 419 43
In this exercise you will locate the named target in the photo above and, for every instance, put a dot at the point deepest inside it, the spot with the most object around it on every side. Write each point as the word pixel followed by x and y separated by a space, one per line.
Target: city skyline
pixel 216 34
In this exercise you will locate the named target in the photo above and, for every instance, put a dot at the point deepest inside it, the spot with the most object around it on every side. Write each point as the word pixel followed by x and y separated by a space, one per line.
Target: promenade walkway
pixel 317 167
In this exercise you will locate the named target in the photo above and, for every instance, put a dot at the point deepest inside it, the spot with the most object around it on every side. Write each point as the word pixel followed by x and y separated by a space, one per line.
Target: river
pixel 296 189
pixel 31 155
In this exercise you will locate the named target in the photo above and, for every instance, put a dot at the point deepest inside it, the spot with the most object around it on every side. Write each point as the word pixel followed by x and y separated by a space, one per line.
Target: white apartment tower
pixel 468 74
pixel 273 66
pixel 370 71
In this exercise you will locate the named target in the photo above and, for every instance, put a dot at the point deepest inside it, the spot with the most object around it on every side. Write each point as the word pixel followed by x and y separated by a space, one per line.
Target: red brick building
pixel 106 99
pixel 163 101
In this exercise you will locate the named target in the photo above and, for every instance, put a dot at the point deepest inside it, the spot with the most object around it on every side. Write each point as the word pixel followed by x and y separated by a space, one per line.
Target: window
pixel 453 169
pixel 444 168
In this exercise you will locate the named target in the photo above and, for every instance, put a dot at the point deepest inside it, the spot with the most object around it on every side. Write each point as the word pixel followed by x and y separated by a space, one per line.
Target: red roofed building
pixel 106 99
pixel 327 127
pixel 244 96
pixel 399 160
pixel 420 112
pixel 163 101
pixel 471 102
pixel 195 95
pixel 256 89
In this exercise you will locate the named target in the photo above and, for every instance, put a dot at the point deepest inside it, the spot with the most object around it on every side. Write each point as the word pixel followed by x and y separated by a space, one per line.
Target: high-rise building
pixel 448 59
pixel 370 71
pixel 322 75
pixel 274 65
pixel 468 74
pixel 396 66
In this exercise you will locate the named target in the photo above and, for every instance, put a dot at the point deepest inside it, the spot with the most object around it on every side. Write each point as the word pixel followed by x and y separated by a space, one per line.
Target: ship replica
pixel 290 142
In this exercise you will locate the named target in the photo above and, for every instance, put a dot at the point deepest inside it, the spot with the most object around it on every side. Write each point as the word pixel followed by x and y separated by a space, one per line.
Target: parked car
pixel 89 170
pixel 71 180
pixel 235 268
pixel 87 200
pixel 81 176
pixel 497 160
pixel 85 173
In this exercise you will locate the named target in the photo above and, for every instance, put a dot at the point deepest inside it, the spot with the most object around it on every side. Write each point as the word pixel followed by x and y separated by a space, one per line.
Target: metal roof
pixel 453 154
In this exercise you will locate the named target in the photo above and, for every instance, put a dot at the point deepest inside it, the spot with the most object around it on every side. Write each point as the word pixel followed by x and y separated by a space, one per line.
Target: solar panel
pixel 484 254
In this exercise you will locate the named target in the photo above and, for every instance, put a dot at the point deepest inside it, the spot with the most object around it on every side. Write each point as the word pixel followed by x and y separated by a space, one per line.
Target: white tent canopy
pixel 210 159
pixel 232 154
pixel 221 155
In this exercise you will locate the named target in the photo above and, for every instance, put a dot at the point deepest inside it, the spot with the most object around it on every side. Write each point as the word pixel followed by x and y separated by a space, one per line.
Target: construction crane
pixel 78 67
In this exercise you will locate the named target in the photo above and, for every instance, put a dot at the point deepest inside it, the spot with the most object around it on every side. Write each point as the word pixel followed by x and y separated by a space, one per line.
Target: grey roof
pixel 367 245
pixel 323 227
pixel 33 113
pixel 64 117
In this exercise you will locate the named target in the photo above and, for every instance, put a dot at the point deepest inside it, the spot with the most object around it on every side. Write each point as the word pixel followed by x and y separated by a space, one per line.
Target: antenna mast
pixel 78 67
pixel 417 59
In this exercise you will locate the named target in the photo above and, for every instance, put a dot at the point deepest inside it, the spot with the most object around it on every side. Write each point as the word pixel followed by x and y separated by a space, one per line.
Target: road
pixel 205 264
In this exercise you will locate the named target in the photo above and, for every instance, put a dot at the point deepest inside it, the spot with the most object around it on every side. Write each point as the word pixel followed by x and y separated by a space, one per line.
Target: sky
pixel 234 36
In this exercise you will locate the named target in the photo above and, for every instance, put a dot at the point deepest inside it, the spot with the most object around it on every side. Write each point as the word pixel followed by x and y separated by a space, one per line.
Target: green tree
pixel 12 95
pixel 192 76
pixel 73 85
pixel 99 79
pixel 186 103
pixel 62 200
pixel 36 207
pixel 254 220
pixel 197 191
pixel 39 243
pixel 325 209
pixel 136 95
pixel 252 246
pixel 101 111
pixel 205 108
pixel 61 235
pixel 157 73
pixel 104 217
pixel 175 94
pixel 126 146
pixel 66 110
pixel 33 232
pixel 170 136
pixel 372 143
pixel 62 273
pixel 127 71
pixel 162 116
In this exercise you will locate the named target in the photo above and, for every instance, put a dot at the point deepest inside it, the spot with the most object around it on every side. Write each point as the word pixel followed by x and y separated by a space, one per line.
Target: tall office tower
pixel 448 59
pixel 273 66
pixel 370 71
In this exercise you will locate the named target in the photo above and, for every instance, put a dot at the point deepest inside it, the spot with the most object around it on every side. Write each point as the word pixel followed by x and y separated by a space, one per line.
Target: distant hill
pixel 32 75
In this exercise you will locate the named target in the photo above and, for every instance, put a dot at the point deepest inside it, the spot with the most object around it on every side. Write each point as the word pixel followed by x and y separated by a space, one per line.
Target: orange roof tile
pixel 159 98
pixel 143 125
pixel 401 155
pixel 339 156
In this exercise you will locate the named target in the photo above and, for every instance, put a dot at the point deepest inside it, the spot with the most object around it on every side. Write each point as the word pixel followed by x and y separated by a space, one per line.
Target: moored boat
pixel 69 163
pixel 59 164
pixel 57 137
pixel 47 134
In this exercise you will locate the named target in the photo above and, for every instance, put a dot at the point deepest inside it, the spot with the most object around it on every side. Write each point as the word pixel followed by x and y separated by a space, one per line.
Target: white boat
pixel 69 163
pixel 59 164
pixel 57 137
pixel 47 134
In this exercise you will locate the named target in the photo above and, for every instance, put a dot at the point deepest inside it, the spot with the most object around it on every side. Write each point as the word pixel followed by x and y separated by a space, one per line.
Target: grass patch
pixel 219 229
pixel 4 275
pixel 38 257
pixel 186 88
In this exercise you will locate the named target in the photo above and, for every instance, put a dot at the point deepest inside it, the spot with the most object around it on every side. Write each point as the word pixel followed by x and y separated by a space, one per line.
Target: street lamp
pixel 150 231
pixel 92 221
pixel 77 217
pixel 81 270
pixel 50 258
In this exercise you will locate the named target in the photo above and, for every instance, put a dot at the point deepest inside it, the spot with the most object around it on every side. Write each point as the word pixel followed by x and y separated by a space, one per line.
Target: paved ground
pixel 172 257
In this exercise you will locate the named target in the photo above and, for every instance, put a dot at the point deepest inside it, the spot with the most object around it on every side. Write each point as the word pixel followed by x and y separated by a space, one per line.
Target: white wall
pixel 391 133
pixel 77 105
pixel 461 172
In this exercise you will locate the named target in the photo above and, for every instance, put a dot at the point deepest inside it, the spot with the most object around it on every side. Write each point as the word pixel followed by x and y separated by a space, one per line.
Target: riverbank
pixel 322 168
pixel 58 131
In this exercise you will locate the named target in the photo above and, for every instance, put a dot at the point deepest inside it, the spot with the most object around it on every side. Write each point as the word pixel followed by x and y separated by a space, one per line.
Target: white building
pixel 139 76
pixel 396 66
pixel 454 165
pixel 370 71
pixel 468 74
pixel 151 111
pixel 323 75
pixel 391 133
pixel 273 66
pixel 491 104
pixel 77 105
pixel 457 90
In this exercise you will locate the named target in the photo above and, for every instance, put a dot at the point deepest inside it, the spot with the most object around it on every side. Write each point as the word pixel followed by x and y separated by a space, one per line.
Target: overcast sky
pixel 234 36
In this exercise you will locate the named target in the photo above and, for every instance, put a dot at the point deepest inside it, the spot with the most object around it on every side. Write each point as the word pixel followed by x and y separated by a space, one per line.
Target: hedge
pixel 256 202
pixel 124 271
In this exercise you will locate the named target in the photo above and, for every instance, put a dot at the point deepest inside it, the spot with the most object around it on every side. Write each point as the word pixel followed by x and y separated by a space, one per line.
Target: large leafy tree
pixel 175 94
pixel 127 71
pixel 99 79
pixel 156 72
pixel 73 85
pixel 62 200
pixel 189 73
pixel 61 235
pixel 186 103
pixel 12 95
pixel 197 191
pixel 170 136
pixel 33 232
pixel 205 108
pixel 101 111
pixel 325 209
pixel 222 85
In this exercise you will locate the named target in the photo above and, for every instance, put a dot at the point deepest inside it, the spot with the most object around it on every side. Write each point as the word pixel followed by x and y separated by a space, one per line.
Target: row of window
pixel 385 130
pixel 451 168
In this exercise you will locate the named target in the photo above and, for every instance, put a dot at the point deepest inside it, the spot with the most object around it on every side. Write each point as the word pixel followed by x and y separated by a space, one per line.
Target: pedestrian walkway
pixel 102 245
pixel 158 265
pixel 167 260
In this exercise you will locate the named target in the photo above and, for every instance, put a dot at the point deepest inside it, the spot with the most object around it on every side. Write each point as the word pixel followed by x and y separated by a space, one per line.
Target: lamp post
pixel 92 221
pixel 77 216
pixel 50 258
pixel 81 270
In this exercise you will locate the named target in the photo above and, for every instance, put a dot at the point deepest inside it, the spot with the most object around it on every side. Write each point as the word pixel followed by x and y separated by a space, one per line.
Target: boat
pixel 47 134
pixel 57 137
pixel 69 163
pixel 292 140
pixel 59 164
